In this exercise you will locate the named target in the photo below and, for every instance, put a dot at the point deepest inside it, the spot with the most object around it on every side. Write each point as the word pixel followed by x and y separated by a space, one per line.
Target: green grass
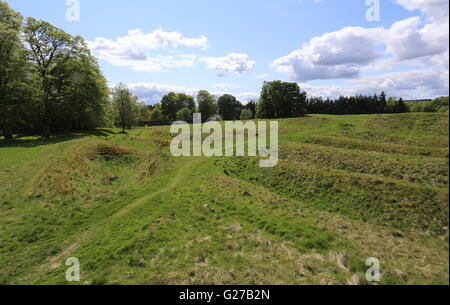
pixel 347 188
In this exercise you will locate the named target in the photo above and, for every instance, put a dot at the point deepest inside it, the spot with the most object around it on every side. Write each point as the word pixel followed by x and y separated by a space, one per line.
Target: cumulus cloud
pixel 406 40
pixel 156 63
pixel 345 53
pixel 233 62
pixel 263 76
pixel 246 97
pixel 435 10
pixel 333 55
pixel 134 50
pixel 222 86
pixel 412 84
pixel 405 83
pixel 135 43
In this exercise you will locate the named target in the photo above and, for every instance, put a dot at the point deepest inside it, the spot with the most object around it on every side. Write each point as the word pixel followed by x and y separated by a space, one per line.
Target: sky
pixel 329 47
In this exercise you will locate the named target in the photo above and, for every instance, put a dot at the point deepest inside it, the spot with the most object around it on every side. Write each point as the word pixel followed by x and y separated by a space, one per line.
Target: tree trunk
pixel 47 112
pixel 7 132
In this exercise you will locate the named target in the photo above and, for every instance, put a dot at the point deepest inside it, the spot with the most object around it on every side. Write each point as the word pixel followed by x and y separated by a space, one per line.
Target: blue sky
pixel 230 46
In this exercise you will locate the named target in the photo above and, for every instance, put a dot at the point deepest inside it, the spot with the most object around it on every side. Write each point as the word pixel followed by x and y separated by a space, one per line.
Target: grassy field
pixel 346 188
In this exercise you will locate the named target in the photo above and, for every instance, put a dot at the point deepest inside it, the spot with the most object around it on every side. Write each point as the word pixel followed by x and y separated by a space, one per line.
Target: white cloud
pixel 333 55
pixel 407 83
pixel 263 76
pixel 134 50
pixel 156 63
pixel 435 10
pixel 245 97
pixel 233 62
pixel 406 41
pixel 135 44
pixel 413 84
pixel 222 86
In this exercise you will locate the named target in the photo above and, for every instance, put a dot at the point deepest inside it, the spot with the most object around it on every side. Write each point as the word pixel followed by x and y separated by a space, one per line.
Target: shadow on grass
pixel 34 141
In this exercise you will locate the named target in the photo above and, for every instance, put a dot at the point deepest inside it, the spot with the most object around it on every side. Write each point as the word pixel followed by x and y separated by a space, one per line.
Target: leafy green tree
pixel 252 107
pixel 145 113
pixel 395 105
pixel 184 115
pixel 441 104
pixel 173 102
pixel 169 106
pixel 49 47
pixel 281 100
pixel 206 104
pixel 391 105
pixel 49 80
pixel 79 92
pixel 229 108
pixel 401 106
pixel 183 100
pixel 14 81
pixel 264 109
pixel 246 114
pixel 157 114
pixel 382 102
pixel 126 104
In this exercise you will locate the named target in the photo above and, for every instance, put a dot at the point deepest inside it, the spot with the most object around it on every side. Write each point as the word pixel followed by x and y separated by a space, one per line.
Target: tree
pixel 184 115
pixel 173 102
pixel 401 106
pixel 246 114
pixel 79 92
pixel 49 47
pixel 252 107
pixel 440 104
pixel 206 104
pixel 157 115
pixel 13 74
pixel 126 104
pixel 359 104
pixel 183 100
pixel 145 113
pixel 382 102
pixel 49 80
pixel 281 100
pixel 169 106
pixel 229 107
pixel 395 105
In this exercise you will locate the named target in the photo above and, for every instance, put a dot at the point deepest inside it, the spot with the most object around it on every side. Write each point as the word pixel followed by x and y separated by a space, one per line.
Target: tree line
pixel 359 104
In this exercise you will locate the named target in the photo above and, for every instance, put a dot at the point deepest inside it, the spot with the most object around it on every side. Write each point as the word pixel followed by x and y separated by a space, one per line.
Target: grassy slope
pixel 347 188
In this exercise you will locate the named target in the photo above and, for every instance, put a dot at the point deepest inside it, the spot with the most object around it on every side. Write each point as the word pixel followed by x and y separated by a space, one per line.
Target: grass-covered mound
pixel 346 188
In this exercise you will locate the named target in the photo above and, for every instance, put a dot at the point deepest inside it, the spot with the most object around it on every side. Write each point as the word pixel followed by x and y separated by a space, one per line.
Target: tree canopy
pixel 281 100
pixel 206 104
pixel 229 108
pixel 172 103
pixel 49 81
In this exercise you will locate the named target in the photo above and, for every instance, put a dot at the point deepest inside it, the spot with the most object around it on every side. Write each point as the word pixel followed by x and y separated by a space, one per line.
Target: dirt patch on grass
pixel 108 151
